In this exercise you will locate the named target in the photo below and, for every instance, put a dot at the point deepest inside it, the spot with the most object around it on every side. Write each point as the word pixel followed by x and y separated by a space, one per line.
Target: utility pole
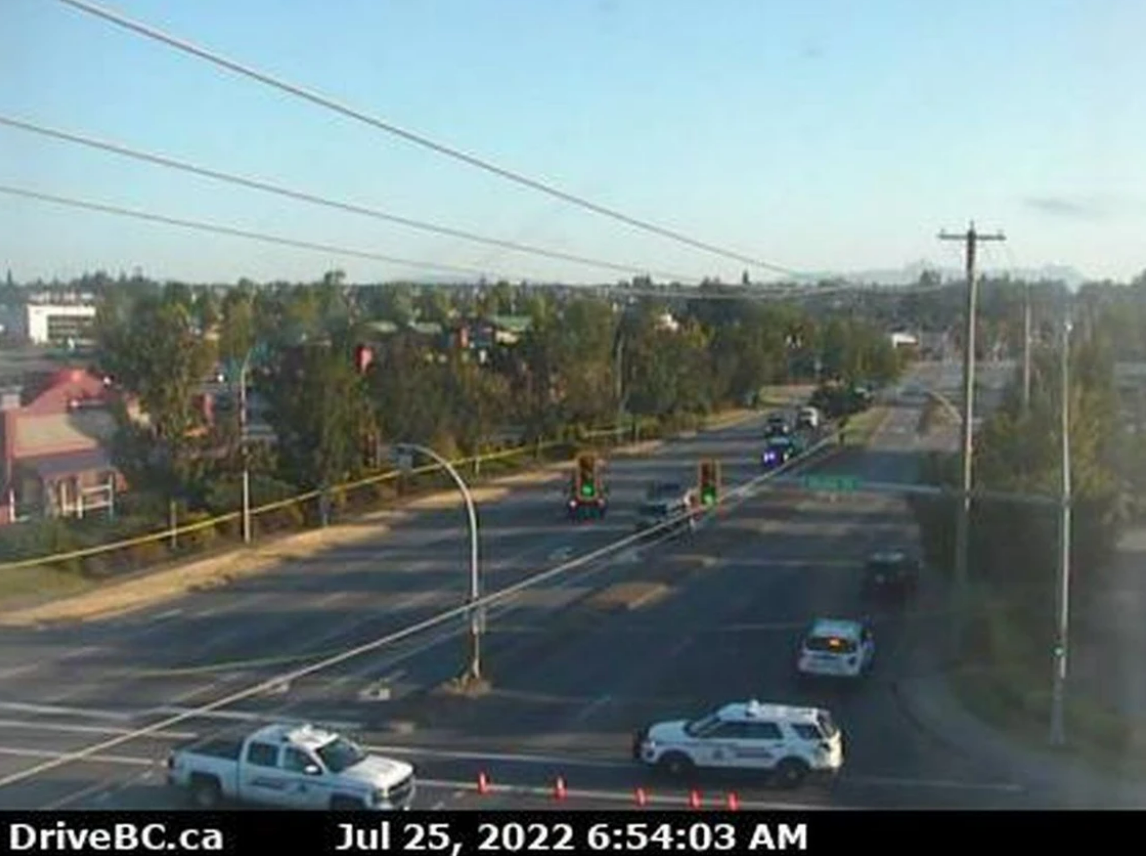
pixel 963 521
pixel 1027 351
pixel 1058 692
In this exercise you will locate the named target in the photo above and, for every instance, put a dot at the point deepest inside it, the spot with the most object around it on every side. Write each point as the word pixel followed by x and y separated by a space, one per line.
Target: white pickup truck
pixel 294 767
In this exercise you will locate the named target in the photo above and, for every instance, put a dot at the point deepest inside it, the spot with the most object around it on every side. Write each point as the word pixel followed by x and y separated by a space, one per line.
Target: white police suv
pixel 836 648
pixel 784 742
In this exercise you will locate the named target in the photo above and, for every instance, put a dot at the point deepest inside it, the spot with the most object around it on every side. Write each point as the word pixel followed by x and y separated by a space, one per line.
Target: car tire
pixel 340 802
pixel 791 773
pixel 205 792
pixel 676 765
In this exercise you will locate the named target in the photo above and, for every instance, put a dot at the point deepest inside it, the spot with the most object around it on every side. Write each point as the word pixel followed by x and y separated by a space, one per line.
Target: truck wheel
pixel 791 772
pixel 676 765
pixel 205 792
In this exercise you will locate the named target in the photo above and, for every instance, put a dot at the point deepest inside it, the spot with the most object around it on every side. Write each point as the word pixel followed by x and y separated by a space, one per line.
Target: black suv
pixel 894 572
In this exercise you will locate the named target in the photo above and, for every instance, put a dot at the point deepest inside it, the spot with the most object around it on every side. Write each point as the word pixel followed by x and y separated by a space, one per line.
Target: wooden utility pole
pixel 971 239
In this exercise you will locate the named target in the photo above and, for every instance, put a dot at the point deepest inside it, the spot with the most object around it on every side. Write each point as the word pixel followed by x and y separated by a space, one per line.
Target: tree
pixel 321 414
pixel 154 352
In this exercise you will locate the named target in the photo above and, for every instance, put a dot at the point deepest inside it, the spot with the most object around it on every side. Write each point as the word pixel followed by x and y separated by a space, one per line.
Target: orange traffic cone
pixel 733 802
pixel 483 783
pixel 694 799
pixel 642 797
pixel 559 789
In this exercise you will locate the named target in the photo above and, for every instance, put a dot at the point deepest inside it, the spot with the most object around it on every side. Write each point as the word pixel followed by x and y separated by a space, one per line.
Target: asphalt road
pixel 569 684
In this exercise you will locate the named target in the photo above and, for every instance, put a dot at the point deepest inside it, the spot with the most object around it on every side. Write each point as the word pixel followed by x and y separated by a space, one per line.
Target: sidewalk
pixel 1100 667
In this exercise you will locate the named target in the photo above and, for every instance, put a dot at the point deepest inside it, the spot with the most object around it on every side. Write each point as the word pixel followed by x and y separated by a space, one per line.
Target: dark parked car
pixel 894 572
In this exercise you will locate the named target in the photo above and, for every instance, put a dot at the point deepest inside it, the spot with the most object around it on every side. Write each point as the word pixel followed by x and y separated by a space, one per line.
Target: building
pixel 904 340
pixel 58 323
pixel 55 434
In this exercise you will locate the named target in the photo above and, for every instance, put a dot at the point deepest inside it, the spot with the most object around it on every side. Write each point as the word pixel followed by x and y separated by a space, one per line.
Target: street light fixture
pixel 477 615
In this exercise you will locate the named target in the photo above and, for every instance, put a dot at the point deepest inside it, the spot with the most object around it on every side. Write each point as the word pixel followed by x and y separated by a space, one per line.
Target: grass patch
pixel 1005 680
pixel 22 584
pixel 863 426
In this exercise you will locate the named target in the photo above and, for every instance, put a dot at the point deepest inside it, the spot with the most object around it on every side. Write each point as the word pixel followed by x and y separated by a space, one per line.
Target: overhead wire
pixel 417 138
pixel 231 231
pixel 303 196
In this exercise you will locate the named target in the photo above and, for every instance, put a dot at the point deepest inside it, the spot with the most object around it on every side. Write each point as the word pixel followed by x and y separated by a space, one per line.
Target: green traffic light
pixel 708 497
pixel 586 489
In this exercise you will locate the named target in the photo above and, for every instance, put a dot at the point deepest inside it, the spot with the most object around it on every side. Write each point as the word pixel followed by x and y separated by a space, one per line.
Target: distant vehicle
pixel 776 426
pixel 294 767
pixel 653 514
pixel 665 490
pixel 808 417
pixel 893 572
pixel 836 648
pixel 778 452
pixel 783 742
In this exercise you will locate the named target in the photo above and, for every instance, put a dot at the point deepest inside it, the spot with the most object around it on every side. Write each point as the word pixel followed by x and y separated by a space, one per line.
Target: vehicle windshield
pixel 827 725
pixel 702 725
pixel 340 754
pixel 830 645
pixel 885 567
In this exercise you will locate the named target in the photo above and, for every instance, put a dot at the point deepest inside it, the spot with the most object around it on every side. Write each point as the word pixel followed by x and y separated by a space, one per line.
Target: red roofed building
pixel 55 435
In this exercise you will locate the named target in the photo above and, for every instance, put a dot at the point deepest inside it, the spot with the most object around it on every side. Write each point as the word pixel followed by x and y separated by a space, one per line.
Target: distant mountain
pixel 909 274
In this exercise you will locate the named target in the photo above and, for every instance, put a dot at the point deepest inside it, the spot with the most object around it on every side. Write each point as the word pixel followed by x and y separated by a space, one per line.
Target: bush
pixel 147 553
pixel 199 539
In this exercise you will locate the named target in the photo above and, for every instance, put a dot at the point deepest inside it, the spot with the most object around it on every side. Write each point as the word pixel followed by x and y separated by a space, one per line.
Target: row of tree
pixel 583 361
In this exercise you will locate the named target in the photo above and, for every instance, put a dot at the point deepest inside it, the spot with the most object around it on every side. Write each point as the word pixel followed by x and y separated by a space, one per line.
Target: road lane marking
pixel 626 797
pixel 461 787
pixel 68 728
pixel 503 757
pixel 891 781
pixel 239 716
pixel 59 710
pixel 591 708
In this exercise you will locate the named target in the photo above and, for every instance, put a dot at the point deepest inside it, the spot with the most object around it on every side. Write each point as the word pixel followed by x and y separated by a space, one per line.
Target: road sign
pixel 835 484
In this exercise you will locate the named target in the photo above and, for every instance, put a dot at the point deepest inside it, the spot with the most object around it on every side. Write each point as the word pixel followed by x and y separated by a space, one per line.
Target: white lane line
pixel 591 708
pixel 123 760
pixel 59 710
pixel 462 787
pixel 681 801
pixel 503 757
pixel 238 716
pixel 88 729
pixel 16 671
pixel 891 781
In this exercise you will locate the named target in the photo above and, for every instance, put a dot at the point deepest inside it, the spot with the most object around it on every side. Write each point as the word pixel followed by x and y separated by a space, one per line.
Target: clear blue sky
pixel 816 134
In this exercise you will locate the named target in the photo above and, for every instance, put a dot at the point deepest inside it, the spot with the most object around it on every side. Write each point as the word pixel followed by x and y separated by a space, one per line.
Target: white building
pixel 901 340
pixel 60 323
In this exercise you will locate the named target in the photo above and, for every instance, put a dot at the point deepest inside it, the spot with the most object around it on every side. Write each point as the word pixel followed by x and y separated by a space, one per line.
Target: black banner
pixel 445 833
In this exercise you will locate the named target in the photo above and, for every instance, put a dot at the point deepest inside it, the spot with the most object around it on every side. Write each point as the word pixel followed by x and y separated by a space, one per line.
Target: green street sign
pixel 834 484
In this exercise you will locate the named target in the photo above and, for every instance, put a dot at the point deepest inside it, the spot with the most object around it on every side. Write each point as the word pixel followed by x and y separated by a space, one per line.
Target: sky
pixel 815 135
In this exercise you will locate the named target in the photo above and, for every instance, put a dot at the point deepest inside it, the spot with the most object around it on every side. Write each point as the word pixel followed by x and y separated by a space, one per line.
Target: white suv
pixel 789 743
pixel 836 648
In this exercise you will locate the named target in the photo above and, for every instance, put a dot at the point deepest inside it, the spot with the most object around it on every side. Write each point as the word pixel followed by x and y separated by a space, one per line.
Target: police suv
pixel 781 741
pixel 836 648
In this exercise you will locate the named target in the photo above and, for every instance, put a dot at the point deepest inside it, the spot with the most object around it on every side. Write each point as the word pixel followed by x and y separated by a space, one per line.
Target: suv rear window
pixel 830 644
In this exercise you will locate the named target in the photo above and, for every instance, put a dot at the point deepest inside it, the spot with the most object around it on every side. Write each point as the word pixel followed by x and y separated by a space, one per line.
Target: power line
pixel 417 139
pixel 230 231
pixel 302 196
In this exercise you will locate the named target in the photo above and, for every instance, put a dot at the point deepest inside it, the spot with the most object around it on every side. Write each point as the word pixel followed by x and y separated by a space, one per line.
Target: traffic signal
pixel 709 482
pixel 587 476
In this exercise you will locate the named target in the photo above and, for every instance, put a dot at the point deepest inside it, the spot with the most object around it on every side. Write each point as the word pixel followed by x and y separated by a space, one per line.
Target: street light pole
pixel 473 674
pixel 1058 692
